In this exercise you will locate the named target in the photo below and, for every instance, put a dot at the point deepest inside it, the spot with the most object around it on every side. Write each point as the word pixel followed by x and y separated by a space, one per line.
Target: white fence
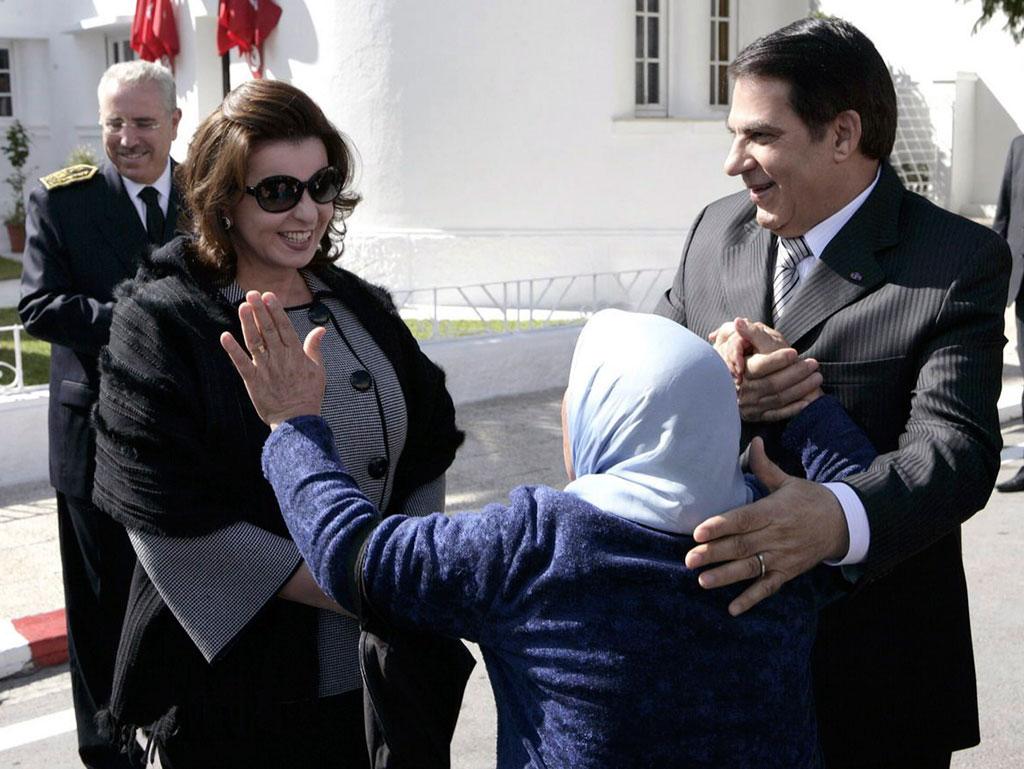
pixel 482 309
pixel 444 312
pixel 14 372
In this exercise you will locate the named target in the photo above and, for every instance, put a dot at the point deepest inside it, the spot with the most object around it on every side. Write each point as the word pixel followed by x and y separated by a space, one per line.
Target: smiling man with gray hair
pixel 87 227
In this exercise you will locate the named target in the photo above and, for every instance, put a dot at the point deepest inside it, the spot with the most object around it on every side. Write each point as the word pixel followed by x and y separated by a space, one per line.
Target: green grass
pixel 35 354
pixel 450 329
pixel 9 269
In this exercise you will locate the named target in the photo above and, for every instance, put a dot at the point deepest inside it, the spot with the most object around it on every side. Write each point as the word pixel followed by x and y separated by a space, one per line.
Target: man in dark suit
pixel 1009 222
pixel 87 228
pixel 895 307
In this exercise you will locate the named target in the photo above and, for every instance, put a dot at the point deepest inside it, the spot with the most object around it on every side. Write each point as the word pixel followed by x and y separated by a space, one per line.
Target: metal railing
pixel 15 370
pixel 504 307
pixel 518 305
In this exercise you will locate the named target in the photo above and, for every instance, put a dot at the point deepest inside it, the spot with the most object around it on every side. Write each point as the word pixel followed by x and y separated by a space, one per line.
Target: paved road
pixel 518 438
pixel 9 290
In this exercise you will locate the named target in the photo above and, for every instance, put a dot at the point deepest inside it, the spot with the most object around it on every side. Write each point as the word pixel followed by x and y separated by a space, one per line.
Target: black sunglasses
pixel 277 194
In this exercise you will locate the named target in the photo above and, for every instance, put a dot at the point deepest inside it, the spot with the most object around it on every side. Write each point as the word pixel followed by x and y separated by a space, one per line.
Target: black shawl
pixel 178 454
pixel 178 441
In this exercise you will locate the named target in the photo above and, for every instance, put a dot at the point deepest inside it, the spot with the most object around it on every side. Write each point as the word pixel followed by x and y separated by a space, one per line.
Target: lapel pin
pixel 856 276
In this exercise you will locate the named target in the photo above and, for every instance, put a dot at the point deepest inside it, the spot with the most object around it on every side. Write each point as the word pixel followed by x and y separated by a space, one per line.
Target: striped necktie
pixel 792 251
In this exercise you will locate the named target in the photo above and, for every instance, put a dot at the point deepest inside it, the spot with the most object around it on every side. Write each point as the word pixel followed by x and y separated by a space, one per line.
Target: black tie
pixel 154 216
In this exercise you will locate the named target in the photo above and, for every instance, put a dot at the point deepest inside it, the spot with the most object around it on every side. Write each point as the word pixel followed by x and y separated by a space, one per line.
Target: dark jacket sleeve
pixel 327 515
pixel 946 462
pixel 434 573
pixel 1001 220
pixel 672 304
pixel 414 678
pixel 828 444
pixel 52 305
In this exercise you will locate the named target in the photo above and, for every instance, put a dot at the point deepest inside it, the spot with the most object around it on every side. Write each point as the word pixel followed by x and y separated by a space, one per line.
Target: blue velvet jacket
pixel 602 649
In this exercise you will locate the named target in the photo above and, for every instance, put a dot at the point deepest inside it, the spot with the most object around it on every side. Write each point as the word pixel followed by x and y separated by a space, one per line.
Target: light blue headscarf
pixel 653 423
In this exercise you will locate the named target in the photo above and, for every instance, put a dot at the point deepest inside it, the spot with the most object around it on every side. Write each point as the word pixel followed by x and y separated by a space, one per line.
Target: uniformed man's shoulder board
pixel 68 176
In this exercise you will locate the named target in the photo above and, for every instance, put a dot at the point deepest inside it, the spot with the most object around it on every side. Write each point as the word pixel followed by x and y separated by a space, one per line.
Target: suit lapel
pixel 848 269
pixel 746 267
pixel 121 225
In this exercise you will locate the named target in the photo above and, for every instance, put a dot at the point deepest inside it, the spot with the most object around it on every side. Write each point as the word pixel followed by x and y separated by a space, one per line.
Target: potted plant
pixel 15 149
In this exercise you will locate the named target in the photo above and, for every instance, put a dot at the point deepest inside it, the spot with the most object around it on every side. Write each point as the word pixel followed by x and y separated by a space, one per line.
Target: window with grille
pixel 650 58
pixel 721 52
pixel 6 90
pixel 119 50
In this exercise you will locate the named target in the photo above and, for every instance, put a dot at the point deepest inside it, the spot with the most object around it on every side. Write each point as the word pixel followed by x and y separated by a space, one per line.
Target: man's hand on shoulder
pixel 771 541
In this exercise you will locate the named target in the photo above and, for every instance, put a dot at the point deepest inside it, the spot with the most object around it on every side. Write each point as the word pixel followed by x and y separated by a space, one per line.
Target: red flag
pixel 165 29
pixel 245 24
pixel 140 30
pixel 154 31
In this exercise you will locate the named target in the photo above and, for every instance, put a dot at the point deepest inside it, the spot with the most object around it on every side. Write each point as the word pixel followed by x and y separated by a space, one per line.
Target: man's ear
pixel 846 134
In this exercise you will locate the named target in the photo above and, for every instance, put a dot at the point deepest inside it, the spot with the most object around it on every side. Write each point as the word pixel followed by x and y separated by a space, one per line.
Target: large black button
pixel 318 313
pixel 378 467
pixel 361 380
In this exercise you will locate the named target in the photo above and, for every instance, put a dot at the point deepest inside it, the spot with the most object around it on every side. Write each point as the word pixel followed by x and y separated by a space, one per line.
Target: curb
pixel 9 292
pixel 30 643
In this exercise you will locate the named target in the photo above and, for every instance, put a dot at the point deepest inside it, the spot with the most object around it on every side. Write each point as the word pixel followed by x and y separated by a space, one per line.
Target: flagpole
pixel 225 72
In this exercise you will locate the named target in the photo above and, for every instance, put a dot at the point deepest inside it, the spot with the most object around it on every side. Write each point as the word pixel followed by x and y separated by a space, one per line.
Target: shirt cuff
pixel 856 524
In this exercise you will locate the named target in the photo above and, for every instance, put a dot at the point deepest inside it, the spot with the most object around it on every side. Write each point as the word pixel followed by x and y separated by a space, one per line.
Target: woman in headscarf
pixel 602 649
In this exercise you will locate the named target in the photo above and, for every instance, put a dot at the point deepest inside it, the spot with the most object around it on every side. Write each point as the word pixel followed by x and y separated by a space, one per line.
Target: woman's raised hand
pixel 283 376
pixel 736 340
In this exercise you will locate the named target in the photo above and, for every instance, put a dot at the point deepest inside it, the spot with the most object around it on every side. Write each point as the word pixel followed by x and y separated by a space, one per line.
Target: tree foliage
pixel 15 149
pixel 1012 9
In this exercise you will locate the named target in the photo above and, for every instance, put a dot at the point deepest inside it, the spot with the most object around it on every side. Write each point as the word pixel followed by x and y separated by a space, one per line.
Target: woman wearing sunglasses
pixel 231 655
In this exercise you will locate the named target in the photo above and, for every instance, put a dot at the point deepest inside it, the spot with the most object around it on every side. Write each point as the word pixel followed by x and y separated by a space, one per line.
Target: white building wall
pixel 55 76
pixel 759 18
pixel 498 140
pixel 932 42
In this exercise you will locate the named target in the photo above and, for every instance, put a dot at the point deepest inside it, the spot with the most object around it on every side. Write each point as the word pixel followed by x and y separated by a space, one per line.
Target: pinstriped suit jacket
pixel 1009 218
pixel 905 315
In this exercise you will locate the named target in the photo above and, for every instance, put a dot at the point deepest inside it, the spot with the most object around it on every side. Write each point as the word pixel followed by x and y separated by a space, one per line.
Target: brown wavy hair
pixel 212 178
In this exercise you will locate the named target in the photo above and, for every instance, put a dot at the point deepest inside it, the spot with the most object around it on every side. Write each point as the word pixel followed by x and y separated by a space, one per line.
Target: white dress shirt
pixel 817 239
pixel 161 185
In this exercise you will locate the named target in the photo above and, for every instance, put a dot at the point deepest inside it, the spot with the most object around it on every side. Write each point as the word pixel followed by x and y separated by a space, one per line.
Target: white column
pixel 964 127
